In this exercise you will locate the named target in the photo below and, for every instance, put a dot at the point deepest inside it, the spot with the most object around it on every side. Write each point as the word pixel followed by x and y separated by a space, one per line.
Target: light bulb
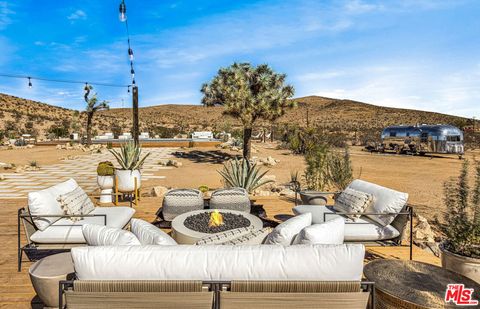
pixel 123 12
pixel 29 83
pixel 130 54
pixel 133 73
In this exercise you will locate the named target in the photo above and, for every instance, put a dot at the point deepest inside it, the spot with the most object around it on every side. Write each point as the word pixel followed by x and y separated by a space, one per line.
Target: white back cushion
pixel 44 202
pixel 329 233
pixel 217 262
pixel 385 200
pixel 149 234
pixel 100 235
pixel 284 233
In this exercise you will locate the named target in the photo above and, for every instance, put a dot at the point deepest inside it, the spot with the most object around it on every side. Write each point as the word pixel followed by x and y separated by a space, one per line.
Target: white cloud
pixel 5 14
pixel 77 15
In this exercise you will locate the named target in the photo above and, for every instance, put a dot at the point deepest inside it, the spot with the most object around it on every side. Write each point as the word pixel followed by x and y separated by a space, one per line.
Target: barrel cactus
pixel 105 168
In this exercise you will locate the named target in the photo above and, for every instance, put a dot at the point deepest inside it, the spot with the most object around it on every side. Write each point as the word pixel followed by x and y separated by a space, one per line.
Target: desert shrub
pixel 317 172
pixel 462 219
pixel 58 131
pixel 341 171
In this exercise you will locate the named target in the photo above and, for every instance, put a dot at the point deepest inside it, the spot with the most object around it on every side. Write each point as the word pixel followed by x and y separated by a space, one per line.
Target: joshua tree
pixel 249 93
pixel 93 106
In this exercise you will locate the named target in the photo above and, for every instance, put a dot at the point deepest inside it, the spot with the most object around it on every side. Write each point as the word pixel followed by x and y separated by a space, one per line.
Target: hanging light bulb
pixel 86 87
pixel 133 81
pixel 123 12
pixel 29 83
pixel 128 88
pixel 130 54
pixel 132 72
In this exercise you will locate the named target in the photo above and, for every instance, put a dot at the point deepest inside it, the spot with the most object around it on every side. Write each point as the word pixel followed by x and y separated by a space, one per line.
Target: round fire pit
pixel 190 227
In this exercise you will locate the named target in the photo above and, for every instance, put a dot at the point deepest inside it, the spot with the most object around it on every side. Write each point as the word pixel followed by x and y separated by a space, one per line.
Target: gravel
pixel 199 222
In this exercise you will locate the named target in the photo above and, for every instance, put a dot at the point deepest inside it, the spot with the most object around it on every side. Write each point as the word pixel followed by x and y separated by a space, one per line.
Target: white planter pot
pixel 467 266
pixel 126 180
pixel 106 185
pixel 105 182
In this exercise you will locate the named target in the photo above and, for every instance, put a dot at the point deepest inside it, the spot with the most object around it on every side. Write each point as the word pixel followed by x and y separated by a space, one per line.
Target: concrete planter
pixel 310 197
pixel 106 184
pixel 126 180
pixel 466 266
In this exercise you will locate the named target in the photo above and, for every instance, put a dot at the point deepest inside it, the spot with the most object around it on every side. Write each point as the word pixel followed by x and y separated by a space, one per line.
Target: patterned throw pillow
pixel 220 238
pixel 253 238
pixel 351 200
pixel 75 202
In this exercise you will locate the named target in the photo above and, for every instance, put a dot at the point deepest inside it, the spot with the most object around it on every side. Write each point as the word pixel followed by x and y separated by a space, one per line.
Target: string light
pixel 64 81
pixel 30 82
pixel 128 89
pixel 86 88
pixel 130 54
pixel 123 12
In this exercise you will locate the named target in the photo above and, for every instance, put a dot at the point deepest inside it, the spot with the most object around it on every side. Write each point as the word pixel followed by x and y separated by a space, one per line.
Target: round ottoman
pixel 46 273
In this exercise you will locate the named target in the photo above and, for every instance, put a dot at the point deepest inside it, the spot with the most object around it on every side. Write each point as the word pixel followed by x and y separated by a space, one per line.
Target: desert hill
pixel 19 116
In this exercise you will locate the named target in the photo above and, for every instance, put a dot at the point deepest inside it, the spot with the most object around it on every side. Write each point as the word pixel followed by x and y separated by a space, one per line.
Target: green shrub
pixel 462 219
pixel 129 156
pixel 105 168
pixel 203 188
pixel 317 171
pixel 341 171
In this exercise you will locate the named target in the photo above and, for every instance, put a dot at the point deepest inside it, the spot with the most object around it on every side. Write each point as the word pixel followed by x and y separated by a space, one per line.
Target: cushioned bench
pixel 220 276
pixel 47 227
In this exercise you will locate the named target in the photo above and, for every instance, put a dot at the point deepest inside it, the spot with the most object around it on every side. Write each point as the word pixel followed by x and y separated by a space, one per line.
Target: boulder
pixel 159 191
pixel 6 166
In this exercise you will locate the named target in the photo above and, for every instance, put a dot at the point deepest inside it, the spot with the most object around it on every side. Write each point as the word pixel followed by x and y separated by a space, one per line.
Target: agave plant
pixel 243 174
pixel 129 156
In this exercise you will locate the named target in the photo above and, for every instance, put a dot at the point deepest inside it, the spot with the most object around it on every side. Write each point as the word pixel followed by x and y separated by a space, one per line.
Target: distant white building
pixel 202 135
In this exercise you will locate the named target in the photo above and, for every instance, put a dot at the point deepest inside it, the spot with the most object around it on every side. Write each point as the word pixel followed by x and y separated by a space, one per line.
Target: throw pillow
pixel 75 202
pixel 353 201
pixel 328 233
pixel 257 237
pixel 284 233
pixel 100 235
pixel 149 234
pixel 220 238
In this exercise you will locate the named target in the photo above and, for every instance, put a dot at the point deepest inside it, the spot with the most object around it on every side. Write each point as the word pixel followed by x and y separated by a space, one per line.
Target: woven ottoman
pixel 46 273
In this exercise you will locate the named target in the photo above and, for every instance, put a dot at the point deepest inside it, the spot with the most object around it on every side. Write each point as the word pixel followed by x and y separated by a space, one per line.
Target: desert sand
pixel 421 177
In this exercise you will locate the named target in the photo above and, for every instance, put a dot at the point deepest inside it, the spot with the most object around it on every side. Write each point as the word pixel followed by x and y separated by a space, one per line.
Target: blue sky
pixel 411 54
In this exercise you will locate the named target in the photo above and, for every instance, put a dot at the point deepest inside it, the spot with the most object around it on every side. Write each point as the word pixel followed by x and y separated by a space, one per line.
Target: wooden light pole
pixel 136 130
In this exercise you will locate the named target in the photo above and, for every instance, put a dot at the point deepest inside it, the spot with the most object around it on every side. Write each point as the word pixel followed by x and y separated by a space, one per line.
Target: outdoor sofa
pixel 47 228
pixel 218 276
pixel 388 206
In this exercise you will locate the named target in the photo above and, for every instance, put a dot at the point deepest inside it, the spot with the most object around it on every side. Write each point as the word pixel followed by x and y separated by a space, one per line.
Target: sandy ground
pixel 421 177
pixel 44 155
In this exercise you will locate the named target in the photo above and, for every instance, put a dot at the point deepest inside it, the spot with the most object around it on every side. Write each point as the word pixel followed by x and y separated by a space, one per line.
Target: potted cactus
pixel 130 161
pixel 105 180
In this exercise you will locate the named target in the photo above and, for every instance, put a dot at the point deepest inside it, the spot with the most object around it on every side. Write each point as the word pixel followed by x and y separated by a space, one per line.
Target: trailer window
pixel 453 138
pixel 393 134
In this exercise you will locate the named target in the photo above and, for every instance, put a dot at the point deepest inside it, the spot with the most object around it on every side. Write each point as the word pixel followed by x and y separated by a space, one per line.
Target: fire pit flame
pixel 216 219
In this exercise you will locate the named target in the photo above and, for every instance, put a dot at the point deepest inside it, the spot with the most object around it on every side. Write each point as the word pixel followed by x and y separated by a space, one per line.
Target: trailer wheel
pixel 422 153
pixel 460 157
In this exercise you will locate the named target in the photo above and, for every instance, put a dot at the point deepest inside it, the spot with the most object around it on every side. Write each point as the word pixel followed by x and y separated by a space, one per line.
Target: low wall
pixel 147 143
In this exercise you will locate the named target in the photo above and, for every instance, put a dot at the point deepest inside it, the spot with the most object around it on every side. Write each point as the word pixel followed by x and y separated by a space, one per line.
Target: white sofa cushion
pixel 353 201
pixel 217 262
pixel 284 233
pixel 66 231
pixel 385 200
pixel 44 202
pixel 363 229
pixel 328 233
pixel 75 202
pixel 256 237
pixel 149 234
pixel 220 238
pixel 101 235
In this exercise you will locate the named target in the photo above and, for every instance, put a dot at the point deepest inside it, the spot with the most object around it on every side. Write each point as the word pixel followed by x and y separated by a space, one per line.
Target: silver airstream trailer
pixel 423 139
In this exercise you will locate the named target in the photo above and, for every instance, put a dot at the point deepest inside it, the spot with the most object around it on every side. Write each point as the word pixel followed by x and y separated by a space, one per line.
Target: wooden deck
pixel 17 292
